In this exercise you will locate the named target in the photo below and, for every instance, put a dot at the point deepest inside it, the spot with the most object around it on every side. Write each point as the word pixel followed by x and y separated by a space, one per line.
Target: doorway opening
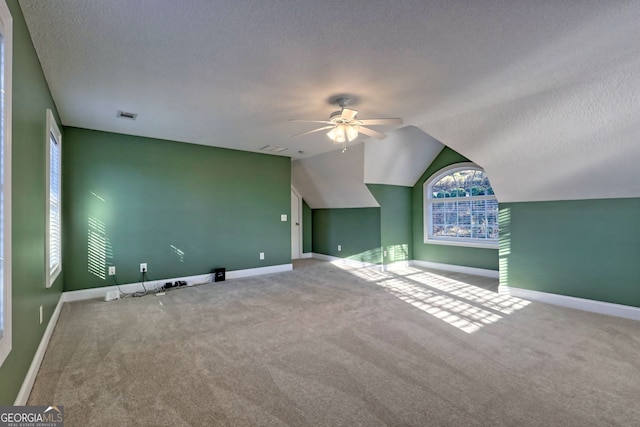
pixel 296 224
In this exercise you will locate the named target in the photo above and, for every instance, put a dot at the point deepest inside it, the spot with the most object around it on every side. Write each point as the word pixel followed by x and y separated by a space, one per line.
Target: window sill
pixel 466 244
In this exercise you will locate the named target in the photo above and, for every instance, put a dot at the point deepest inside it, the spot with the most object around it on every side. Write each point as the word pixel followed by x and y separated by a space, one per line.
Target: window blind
pixel 54 204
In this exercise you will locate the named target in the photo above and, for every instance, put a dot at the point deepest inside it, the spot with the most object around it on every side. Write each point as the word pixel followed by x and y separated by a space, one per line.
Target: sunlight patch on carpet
pixel 465 306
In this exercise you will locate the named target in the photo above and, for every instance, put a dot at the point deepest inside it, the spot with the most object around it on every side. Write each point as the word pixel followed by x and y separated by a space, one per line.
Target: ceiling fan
pixel 344 126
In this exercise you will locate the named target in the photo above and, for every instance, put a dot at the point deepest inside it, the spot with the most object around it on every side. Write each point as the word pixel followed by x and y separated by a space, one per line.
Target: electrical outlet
pixel 41 315
pixel 261 255
pixel 339 248
pixel 112 270
pixel 143 267
pixel 283 217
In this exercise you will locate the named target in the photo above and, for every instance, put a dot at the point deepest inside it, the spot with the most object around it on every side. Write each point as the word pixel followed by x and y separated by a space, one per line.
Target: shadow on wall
pixel 100 252
pixel 396 253
pixel 372 256
pixel 99 248
pixel 504 245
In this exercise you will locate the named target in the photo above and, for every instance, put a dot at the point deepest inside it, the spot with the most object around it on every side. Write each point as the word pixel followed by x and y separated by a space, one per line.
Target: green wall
pixel 184 209
pixel 586 248
pixel 31 98
pixel 307 228
pixel 455 255
pixel 356 229
pixel 395 221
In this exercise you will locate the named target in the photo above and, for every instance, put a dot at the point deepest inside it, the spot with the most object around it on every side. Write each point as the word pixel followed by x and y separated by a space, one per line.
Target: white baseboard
pixel 344 261
pixel 611 309
pixel 30 378
pixel 396 265
pixel 494 274
pixel 259 271
pixel 307 255
pixel 84 294
pixel 324 257
pixel 426 264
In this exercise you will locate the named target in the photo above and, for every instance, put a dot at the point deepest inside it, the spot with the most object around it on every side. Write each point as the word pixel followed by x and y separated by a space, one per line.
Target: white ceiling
pixel 337 179
pixel 333 179
pixel 544 95
pixel 400 159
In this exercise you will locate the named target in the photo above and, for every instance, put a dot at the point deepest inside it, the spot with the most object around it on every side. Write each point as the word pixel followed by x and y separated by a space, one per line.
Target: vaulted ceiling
pixel 544 95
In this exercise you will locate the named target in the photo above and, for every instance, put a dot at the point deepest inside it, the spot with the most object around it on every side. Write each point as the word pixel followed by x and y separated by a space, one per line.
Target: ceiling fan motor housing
pixel 342 102
pixel 337 118
pixel 335 114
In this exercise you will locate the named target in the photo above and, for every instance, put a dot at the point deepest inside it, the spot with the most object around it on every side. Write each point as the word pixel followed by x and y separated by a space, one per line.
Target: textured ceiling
pixel 543 95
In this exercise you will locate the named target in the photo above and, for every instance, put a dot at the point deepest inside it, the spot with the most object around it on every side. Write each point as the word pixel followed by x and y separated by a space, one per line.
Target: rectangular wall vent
pixel 126 115
pixel 273 149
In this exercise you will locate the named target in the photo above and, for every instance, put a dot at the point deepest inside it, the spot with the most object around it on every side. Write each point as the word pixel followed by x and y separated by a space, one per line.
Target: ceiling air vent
pixel 126 115
pixel 273 149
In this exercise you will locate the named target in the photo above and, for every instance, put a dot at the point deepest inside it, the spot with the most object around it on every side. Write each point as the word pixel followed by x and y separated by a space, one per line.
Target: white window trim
pixel 52 128
pixel 428 239
pixel 6 23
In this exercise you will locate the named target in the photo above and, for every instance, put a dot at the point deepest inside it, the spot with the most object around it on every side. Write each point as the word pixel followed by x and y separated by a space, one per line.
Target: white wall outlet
pixel 283 217
pixel 143 267
pixel 384 254
pixel 339 248
pixel 112 270
pixel 41 315
pixel 261 255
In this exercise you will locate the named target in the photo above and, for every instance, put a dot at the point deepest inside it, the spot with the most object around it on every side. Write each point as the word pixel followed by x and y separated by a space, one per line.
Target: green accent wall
pixel 455 255
pixel 31 98
pixel 307 228
pixel 395 221
pixel 356 229
pixel 585 248
pixel 184 209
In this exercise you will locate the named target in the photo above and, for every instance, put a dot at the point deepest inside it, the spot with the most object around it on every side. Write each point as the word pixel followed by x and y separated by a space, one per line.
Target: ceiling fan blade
pixel 348 114
pixel 310 121
pixel 371 132
pixel 313 131
pixel 374 122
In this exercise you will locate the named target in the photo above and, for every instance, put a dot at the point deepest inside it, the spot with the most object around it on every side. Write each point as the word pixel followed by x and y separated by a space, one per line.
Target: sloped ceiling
pixel 337 179
pixel 333 180
pixel 544 95
pixel 401 159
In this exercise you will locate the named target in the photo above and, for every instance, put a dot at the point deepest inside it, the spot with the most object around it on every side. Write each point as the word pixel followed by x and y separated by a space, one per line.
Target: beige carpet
pixel 329 346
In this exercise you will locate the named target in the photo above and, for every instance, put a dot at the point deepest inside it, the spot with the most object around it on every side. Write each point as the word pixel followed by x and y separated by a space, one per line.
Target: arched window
pixel 460 207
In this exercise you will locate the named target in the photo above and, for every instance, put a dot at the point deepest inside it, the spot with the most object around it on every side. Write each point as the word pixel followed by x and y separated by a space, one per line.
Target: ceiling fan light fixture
pixel 343 132
pixel 352 133
pixel 332 134
pixel 344 125
pixel 336 135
